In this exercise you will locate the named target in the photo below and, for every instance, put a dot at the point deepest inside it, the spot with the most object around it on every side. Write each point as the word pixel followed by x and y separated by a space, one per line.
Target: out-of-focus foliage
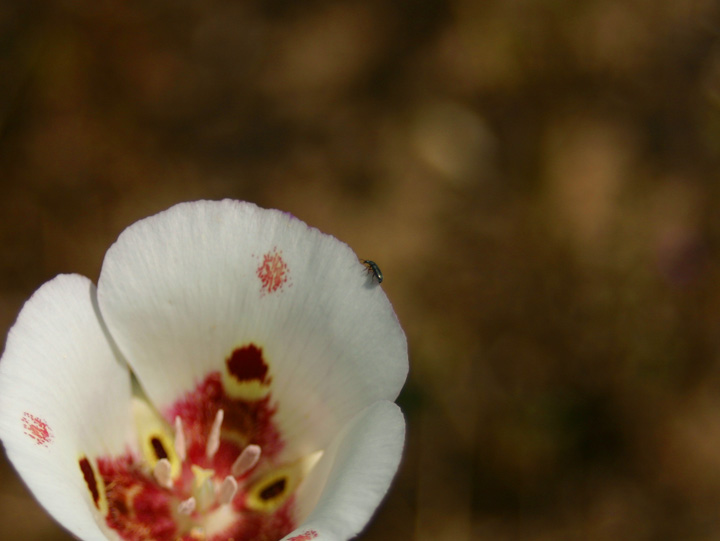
pixel 538 180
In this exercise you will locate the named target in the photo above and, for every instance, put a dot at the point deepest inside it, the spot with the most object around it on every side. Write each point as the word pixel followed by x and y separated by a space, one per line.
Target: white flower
pixel 264 362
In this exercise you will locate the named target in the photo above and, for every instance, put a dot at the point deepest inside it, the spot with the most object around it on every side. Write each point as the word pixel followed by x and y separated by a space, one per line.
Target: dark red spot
pixel 159 448
pixel 90 480
pixel 310 534
pixel 274 490
pixel 37 429
pixel 247 364
pixel 273 272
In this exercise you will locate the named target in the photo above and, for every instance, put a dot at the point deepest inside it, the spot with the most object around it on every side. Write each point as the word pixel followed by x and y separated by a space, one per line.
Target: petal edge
pixel 59 381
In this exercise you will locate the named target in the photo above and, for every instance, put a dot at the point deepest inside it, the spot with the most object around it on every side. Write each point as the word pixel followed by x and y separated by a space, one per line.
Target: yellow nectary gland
pixel 95 483
pixel 272 490
pixel 155 438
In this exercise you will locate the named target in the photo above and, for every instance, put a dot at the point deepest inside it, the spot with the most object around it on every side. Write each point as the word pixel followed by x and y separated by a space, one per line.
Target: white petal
pixel 353 476
pixel 181 290
pixel 63 394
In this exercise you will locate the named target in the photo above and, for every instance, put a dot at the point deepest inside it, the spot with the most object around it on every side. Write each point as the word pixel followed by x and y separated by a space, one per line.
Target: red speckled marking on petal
pixel 273 272
pixel 310 534
pixel 37 429
pixel 247 363
pixel 90 481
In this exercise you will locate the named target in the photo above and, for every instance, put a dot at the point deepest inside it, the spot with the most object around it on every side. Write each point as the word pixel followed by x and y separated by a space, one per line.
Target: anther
pixel 246 461
pixel 227 491
pixel 213 443
pixel 180 448
pixel 186 507
pixel 162 471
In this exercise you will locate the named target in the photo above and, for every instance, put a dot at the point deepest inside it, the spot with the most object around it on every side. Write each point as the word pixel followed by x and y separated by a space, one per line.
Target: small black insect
pixel 373 267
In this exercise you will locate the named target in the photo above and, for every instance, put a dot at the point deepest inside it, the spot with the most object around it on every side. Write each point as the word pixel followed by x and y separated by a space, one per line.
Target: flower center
pixel 201 500
pixel 213 474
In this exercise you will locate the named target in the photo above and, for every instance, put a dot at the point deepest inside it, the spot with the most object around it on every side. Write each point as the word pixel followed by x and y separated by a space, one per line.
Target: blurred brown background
pixel 538 180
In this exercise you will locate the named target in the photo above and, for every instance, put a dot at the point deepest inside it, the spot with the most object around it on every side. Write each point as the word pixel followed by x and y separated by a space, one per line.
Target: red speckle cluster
pixel 37 429
pixel 310 534
pixel 273 272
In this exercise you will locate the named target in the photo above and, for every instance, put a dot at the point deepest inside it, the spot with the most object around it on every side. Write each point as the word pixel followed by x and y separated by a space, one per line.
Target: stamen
pixel 213 443
pixel 246 461
pixel 186 507
pixel 162 471
pixel 228 489
pixel 180 448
